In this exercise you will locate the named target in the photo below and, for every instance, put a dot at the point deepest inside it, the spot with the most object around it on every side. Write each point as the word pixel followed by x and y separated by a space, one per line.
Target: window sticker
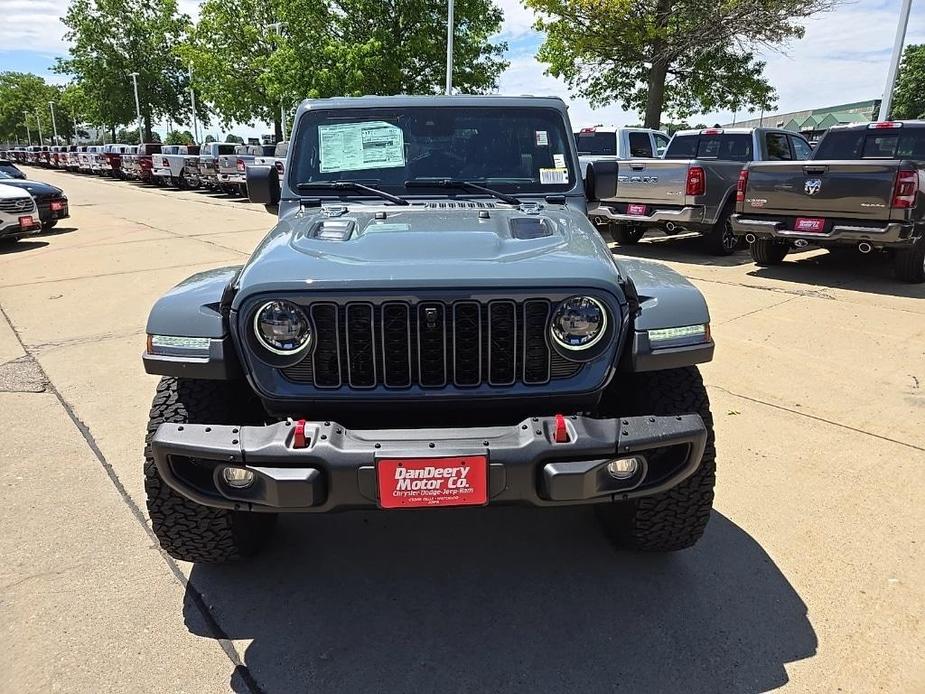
pixel 358 146
pixel 558 161
pixel 542 138
pixel 553 176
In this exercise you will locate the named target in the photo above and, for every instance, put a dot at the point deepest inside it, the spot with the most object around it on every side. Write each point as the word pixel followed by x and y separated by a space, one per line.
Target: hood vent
pixel 456 205
pixel 530 228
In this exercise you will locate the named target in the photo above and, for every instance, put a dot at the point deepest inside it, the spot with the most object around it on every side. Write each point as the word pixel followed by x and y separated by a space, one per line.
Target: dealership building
pixel 814 122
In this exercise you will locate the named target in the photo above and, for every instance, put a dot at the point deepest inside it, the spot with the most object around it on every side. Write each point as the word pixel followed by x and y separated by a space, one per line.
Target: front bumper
pixel 837 233
pixel 683 216
pixel 48 213
pixel 337 468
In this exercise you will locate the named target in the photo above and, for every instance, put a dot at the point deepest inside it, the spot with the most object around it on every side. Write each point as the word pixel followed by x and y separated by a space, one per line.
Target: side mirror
pixel 263 184
pixel 601 180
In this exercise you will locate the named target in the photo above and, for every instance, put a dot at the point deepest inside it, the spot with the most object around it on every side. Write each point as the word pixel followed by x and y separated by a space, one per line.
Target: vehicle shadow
pixel 687 248
pixel 504 599
pixel 9 247
pixel 849 270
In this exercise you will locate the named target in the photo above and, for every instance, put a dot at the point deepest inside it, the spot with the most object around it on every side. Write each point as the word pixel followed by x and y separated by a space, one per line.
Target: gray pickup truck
pixel 692 187
pixel 207 164
pixel 431 322
pixel 863 189
pixel 232 168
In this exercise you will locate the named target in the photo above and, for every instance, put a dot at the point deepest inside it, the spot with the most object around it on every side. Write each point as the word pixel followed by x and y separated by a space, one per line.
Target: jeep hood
pixel 392 248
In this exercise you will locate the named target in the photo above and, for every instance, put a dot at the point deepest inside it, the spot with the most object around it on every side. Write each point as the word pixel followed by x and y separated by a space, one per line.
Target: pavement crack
pixel 759 310
pixel 818 419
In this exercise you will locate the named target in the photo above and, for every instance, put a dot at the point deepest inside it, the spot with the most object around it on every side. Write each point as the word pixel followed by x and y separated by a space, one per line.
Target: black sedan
pixel 51 201
pixel 8 167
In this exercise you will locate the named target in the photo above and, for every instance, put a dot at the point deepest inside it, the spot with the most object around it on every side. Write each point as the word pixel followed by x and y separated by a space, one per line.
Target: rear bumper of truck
pixel 232 178
pixel 679 216
pixel 839 232
pixel 320 466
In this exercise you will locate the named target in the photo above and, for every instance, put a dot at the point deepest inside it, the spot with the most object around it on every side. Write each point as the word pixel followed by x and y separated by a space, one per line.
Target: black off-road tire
pixel 768 251
pixel 186 530
pixel 627 235
pixel 909 263
pixel 721 239
pixel 674 519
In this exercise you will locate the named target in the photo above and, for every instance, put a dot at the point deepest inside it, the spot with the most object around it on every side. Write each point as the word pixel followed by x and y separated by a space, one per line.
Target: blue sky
pixel 843 57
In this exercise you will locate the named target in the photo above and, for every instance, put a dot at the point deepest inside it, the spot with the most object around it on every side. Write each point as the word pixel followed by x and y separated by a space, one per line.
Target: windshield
pixel 512 150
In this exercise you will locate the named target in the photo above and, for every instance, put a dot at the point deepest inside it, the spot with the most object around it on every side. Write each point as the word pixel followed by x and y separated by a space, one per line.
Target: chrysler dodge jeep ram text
pixel 432 322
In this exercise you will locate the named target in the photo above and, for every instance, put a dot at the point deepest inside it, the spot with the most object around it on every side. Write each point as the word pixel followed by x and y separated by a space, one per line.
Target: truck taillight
pixel 696 181
pixel 885 124
pixel 240 165
pixel 906 190
pixel 741 185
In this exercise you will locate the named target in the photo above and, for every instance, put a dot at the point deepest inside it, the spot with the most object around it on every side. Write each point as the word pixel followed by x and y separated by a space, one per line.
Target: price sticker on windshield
pixel 542 138
pixel 551 177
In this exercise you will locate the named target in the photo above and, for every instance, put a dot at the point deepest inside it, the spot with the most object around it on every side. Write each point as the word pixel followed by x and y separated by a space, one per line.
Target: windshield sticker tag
pixel 542 138
pixel 558 161
pixel 359 146
pixel 553 176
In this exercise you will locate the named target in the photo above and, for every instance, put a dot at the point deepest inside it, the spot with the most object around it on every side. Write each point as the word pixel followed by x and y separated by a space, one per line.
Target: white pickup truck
pixel 207 166
pixel 232 168
pixel 278 160
pixel 168 166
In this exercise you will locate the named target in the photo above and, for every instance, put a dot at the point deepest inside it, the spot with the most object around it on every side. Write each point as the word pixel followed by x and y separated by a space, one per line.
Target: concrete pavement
pixel 809 576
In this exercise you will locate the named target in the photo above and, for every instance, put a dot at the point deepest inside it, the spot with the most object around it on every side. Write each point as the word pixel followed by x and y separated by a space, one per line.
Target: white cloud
pixel 518 20
pixel 32 25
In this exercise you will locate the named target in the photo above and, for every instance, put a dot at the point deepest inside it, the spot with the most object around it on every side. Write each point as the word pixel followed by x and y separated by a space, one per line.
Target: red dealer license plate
pixel 814 225
pixel 638 210
pixel 425 482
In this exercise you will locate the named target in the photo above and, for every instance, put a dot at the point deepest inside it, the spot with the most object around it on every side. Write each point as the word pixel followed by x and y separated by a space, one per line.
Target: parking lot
pixel 809 575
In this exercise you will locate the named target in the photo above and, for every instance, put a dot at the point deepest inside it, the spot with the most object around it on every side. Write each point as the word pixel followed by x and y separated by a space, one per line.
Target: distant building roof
pixel 815 119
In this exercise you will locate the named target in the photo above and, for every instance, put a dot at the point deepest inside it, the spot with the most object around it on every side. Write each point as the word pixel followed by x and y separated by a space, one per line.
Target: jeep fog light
pixel 679 337
pixel 238 477
pixel 623 468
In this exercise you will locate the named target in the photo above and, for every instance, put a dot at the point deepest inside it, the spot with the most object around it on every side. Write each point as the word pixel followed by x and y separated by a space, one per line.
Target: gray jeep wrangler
pixel 433 322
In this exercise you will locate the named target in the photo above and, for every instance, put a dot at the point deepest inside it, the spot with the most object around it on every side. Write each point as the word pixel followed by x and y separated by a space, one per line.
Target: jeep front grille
pixel 431 344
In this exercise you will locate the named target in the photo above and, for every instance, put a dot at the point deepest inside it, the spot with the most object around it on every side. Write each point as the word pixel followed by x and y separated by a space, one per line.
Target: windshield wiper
pixel 352 185
pixel 457 183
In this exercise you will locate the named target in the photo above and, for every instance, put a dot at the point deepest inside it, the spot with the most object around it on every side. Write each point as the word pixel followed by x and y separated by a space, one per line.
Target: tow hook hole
pixel 430 445
pixel 179 428
pixel 484 443
pixel 324 437
pixel 378 445
pixel 208 429
pixel 234 441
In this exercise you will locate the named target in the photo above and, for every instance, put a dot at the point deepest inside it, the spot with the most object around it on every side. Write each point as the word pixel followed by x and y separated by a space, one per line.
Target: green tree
pixel 179 137
pixel 111 39
pixel 24 97
pixel 234 138
pixel 389 47
pixel 210 138
pixel 909 92
pixel 679 56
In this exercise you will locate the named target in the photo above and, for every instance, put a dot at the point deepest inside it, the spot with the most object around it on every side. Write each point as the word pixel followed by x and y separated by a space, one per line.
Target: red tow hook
pixel 298 435
pixel 560 432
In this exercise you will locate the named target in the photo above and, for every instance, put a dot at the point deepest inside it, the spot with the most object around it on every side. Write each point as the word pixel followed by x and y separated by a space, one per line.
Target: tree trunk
pixel 655 99
pixel 658 73
pixel 147 127
pixel 278 129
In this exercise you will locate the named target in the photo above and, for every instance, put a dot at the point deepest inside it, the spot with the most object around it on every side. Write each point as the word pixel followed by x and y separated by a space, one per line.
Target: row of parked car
pixel 27 207
pixel 861 190
pixel 220 166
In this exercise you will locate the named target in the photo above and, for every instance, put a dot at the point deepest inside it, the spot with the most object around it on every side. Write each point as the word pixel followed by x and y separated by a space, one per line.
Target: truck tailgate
pixel 652 181
pixel 844 189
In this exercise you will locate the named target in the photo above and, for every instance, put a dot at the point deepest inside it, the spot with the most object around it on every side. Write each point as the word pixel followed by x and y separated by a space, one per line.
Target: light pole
pixel 137 106
pixel 277 28
pixel 887 102
pixel 54 125
pixel 25 115
pixel 38 120
pixel 192 98
pixel 449 47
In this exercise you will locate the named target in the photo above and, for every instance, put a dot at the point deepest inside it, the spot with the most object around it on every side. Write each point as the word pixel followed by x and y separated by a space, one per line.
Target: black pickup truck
pixel 863 188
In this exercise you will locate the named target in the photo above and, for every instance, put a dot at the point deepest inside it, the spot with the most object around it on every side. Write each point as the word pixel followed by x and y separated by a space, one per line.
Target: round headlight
pixel 282 327
pixel 579 322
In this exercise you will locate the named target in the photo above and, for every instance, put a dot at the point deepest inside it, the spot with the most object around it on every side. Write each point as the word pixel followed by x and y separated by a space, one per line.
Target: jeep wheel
pixel 187 530
pixel 910 262
pixel 721 239
pixel 768 251
pixel 627 235
pixel 674 519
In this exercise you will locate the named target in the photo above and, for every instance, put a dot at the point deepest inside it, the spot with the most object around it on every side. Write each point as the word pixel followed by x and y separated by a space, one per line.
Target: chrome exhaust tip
pixel 670 226
pixel 750 238
pixel 865 247
pixel 801 243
